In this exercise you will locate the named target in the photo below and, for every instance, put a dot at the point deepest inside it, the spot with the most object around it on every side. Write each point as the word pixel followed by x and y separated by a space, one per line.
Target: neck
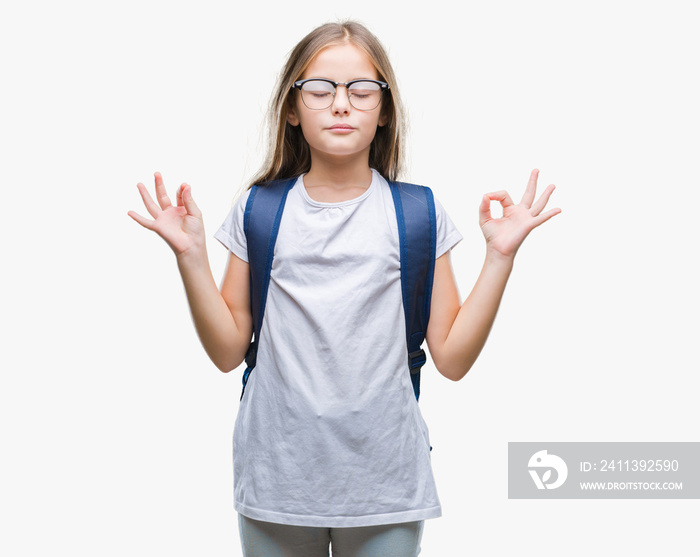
pixel 333 181
pixel 338 173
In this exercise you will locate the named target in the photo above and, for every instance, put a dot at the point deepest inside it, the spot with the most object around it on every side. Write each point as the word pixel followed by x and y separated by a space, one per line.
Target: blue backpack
pixel 415 215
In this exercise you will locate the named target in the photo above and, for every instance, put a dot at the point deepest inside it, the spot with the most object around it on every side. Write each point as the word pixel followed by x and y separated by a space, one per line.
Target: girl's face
pixel 339 131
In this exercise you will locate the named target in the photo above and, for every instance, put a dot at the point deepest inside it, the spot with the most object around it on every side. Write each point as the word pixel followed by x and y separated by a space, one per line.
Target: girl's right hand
pixel 180 226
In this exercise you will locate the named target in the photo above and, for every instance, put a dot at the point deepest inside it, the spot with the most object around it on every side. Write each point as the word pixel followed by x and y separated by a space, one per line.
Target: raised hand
pixel 504 235
pixel 180 225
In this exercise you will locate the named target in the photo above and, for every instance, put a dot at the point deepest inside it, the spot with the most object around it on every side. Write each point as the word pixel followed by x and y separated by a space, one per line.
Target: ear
pixel 383 117
pixel 292 116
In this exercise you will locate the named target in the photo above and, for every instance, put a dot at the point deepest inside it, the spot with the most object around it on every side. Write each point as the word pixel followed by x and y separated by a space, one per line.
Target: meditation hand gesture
pixel 180 226
pixel 504 235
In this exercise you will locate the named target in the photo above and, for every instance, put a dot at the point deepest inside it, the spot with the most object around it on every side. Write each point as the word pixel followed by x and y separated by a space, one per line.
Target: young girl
pixel 329 445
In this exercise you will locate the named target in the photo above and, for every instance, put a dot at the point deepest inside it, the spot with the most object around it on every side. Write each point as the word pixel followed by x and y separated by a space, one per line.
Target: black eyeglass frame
pixel 382 87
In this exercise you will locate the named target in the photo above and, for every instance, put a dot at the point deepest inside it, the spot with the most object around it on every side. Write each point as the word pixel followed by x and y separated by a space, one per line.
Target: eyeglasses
pixel 363 94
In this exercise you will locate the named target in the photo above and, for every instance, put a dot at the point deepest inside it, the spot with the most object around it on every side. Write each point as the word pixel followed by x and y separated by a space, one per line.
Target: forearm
pixel 224 336
pixel 473 322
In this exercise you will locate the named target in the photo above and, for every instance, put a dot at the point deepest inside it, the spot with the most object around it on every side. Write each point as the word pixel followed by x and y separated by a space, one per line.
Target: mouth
pixel 341 128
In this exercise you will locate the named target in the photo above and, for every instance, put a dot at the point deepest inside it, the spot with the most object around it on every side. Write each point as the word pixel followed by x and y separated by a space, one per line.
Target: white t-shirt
pixel 329 432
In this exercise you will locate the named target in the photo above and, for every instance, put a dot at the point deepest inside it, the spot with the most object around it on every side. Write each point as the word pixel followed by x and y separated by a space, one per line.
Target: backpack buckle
pixel 252 355
pixel 416 360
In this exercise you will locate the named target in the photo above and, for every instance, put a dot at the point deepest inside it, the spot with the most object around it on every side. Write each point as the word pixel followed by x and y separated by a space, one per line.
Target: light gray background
pixel 116 428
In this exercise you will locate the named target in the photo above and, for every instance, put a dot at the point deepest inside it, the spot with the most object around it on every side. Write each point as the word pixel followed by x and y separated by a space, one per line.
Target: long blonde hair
pixel 288 153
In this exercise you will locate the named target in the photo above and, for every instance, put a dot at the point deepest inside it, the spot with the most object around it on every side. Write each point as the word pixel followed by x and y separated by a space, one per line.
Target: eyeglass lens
pixel 363 95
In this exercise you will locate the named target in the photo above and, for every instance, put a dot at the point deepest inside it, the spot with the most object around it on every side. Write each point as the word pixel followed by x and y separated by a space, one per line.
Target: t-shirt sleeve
pixel 447 234
pixel 231 233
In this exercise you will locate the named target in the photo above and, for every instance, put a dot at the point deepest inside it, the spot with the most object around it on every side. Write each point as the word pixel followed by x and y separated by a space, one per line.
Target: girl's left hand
pixel 504 235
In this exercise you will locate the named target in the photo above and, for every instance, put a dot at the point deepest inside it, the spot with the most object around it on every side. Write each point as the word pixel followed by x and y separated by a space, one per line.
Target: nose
pixel 341 101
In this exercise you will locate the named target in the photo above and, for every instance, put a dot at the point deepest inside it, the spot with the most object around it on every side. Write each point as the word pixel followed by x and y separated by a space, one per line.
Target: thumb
pixel 190 205
pixel 485 210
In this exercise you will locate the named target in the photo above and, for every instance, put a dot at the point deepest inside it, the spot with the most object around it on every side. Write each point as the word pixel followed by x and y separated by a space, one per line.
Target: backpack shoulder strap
pixel 415 216
pixel 261 223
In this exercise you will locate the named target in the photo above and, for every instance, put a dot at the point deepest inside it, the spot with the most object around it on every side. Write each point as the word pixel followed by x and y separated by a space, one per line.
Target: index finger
pixel 161 194
pixel 502 197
